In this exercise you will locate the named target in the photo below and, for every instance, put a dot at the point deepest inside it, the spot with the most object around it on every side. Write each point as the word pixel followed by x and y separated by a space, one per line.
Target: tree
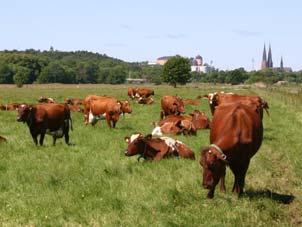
pixel 53 73
pixel 21 76
pixel 177 70
pixel 117 75
pixel 236 76
pixel 6 74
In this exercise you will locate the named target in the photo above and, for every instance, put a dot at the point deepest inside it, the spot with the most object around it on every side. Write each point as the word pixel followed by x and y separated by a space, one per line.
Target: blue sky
pixel 229 33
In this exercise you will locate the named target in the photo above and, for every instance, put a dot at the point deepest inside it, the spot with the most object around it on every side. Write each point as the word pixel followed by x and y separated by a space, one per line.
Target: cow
pixel 125 105
pixel 156 148
pixel 10 106
pixel 171 105
pixel 191 102
pixel 132 92
pixel 2 139
pixel 75 108
pixel 147 101
pixel 144 92
pixel 74 101
pixel 218 98
pixel 235 137
pixel 108 109
pixel 44 99
pixel 52 119
pixel 188 125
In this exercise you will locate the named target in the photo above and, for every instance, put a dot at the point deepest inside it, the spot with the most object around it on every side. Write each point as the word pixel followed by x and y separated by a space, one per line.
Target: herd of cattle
pixel 236 129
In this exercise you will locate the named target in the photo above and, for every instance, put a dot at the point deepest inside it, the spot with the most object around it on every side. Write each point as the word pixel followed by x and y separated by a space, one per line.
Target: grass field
pixel 94 184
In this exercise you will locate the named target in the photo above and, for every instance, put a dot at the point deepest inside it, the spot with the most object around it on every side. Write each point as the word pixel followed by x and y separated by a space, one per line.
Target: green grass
pixel 93 183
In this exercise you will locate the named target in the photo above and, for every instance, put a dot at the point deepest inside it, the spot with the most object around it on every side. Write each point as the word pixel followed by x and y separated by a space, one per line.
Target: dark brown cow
pixel 171 105
pixel 188 125
pixel 52 119
pixel 236 135
pixel 218 98
pixel 44 99
pixel 108 109
pixel 156 148
pixel 2 139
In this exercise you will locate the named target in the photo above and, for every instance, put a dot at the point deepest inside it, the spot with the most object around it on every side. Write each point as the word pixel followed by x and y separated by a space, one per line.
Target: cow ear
pixel 220 156
pixel 127 139
pixel 148 137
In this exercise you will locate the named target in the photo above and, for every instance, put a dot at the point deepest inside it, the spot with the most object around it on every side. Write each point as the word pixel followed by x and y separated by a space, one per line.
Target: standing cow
pixel 236 135
pixel 52 119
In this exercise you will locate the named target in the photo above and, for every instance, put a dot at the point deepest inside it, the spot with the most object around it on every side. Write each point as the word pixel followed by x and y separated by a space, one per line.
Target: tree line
pixel 53 66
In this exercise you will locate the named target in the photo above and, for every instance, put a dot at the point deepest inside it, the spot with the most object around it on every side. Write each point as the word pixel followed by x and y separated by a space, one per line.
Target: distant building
pixel 267 62
pixel 197 65
pixel 162 60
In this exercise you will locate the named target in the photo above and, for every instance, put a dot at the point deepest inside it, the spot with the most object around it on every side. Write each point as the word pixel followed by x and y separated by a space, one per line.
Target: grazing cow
pixel 188 125
pixel 10 106
pixel 74 101
pixel 171 105
pixel 125 106
pixel 108 109
pixel 2 139
pixel 218 98
pixel 52 119
pixel 156 148
pixel 147 101
pixel 75 108
pixel 43 99
pixel 236 135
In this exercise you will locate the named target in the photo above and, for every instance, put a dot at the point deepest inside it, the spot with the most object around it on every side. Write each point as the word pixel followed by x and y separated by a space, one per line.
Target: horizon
pixel 231 34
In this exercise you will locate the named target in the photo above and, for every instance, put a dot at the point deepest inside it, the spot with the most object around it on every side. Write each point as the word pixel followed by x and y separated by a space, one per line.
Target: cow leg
pixel 54 139
pixel 34 136
pixel 222 182
pixel 161 115
pixel 108 120
pixel 42 138
pixel 210 194
pixel 113 124
pixel 240 178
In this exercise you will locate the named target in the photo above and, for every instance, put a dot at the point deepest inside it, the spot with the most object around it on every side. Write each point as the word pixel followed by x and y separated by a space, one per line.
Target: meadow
pixel 94 184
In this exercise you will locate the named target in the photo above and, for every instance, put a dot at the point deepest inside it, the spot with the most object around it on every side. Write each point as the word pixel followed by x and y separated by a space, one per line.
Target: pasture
pixel 93 183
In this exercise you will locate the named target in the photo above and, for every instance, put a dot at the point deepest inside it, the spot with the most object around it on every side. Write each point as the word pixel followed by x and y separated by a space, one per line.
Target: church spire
pixel 281 64
pixel 269 58
pixel 264 62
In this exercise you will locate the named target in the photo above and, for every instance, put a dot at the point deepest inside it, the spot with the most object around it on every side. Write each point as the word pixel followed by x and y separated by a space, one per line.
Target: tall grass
pixel 93 183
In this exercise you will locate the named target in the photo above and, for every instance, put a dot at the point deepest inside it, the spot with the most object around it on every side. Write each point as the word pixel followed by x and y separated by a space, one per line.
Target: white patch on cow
pixel 134 137
pixel 137 95
pixel 22 105
pixel 157 131
pixel 140 98
pixel 92 119
pixel 171 142
pixel 57 133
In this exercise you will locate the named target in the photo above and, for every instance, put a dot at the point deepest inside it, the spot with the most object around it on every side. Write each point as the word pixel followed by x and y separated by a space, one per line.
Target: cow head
pixel 23 112
pixel 199 120
pixel 125 107
pixel 213 100
pixel 136 144
pixel 179 106
pixel 213 163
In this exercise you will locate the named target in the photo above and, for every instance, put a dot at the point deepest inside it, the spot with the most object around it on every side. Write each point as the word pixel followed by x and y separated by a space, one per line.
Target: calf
pixel 236 135
pixel 52 119
pixel 156 148
pixel 44 99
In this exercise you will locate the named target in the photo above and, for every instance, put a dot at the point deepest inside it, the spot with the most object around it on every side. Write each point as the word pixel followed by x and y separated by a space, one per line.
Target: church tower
pixel 264 62
pixel 281 64
pixel 269 58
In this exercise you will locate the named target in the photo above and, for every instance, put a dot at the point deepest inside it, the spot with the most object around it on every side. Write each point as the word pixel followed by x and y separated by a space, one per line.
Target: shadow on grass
pixel 280 198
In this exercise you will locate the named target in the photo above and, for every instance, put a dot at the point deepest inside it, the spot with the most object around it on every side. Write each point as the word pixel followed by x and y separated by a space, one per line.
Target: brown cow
pixel 191 102
pixel 10 106
pixel 156 148
pixel 171 105
pixel 2 139
pixel 144 92
pixel 44 99
pixel 108 109
pixel 188 125
pixel 132 92
pixel 236 135
pixel 218 98
pixel 75 108
pixel 125 105
pixel 52 119
pixel 74 101
pixel 147 101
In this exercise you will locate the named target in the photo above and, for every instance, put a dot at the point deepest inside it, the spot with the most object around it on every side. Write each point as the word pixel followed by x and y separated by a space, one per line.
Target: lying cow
pixel 146 101
pixel 156 148
pixel 43 99
pixel 52 119
pixel 187 125
pixel 137 92
pixel 191 102
pixel 74 101
pixel 236 135
pixel 10 106
pixel 171 105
